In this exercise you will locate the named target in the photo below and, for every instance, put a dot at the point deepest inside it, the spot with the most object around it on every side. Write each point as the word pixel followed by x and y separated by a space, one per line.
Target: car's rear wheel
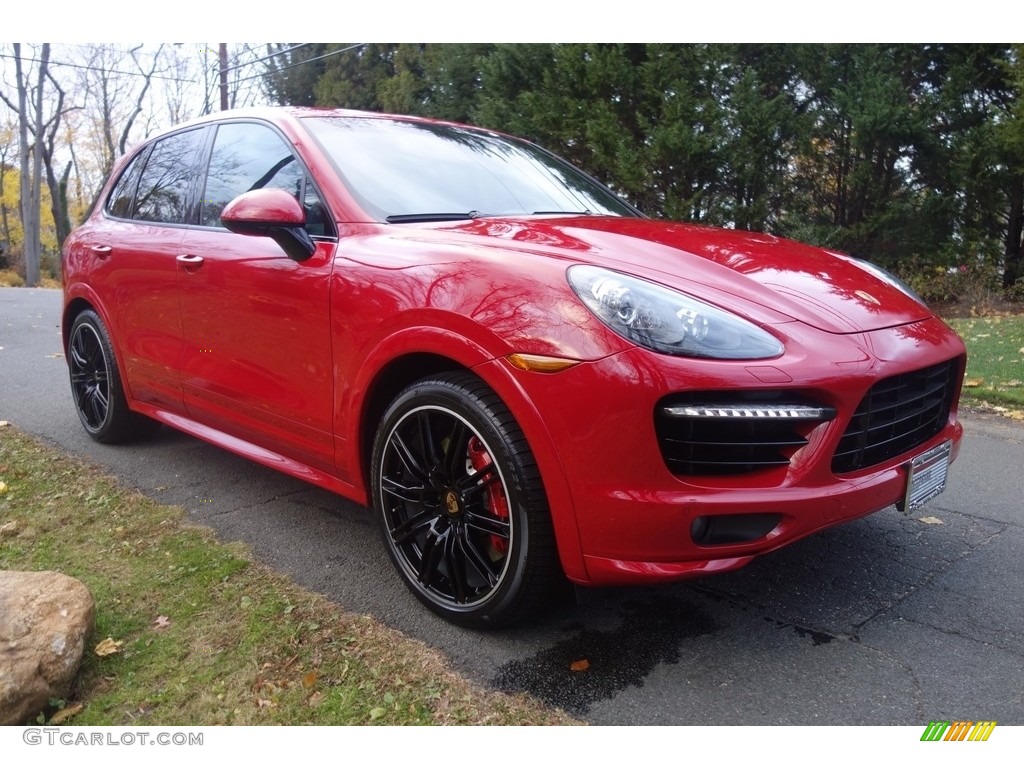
pixel 461 504
pixel 96 384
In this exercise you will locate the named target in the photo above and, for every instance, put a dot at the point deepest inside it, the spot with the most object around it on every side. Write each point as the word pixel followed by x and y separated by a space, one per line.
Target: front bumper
pixel 635 519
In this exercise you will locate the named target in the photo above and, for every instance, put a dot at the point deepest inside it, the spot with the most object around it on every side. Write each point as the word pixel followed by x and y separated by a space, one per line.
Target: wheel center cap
pixel 451 503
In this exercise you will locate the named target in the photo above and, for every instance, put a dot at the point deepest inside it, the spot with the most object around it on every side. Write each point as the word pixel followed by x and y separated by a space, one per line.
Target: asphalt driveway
pixel 885 620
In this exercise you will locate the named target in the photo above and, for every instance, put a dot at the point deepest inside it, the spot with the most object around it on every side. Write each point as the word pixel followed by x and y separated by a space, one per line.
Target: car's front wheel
pixel 96 384
pixel 461 504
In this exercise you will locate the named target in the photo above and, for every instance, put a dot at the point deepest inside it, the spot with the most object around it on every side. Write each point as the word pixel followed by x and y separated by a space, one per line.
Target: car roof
pixel 291 115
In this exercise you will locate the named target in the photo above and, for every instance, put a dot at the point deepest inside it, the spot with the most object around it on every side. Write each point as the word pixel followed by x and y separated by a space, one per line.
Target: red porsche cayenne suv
pixel 522 375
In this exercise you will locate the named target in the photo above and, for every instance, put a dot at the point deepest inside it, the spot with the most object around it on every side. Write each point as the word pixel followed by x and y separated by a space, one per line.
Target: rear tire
pixel 461 505
pixel 96 385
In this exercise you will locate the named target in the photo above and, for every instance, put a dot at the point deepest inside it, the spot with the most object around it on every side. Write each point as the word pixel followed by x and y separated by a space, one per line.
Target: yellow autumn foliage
pixel 10 202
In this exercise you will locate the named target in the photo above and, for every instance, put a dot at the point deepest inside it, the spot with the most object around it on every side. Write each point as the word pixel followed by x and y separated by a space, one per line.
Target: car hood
pixel 823 289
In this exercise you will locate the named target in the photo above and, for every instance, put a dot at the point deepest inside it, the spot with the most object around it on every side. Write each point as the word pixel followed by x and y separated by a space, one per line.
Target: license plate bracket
pixel 926 477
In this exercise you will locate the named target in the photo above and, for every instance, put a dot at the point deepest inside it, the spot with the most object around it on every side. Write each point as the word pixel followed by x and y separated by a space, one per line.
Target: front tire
pixel 96 385
pixel 461 504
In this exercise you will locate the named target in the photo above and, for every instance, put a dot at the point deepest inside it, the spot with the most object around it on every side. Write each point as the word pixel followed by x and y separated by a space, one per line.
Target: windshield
pixel 402 170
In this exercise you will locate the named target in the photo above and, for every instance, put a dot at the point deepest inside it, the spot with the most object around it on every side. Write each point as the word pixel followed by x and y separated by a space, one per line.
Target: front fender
pixel 445 348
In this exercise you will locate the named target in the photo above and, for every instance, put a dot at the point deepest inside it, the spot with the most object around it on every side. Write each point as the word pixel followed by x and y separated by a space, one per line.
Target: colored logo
pixel 960 730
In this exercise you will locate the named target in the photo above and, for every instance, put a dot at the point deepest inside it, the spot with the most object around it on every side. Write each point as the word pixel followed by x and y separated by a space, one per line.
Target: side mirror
pixel 271 213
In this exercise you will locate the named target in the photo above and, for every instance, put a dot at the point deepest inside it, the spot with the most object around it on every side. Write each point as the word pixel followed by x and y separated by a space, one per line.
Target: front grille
pixel 897 415
pixel 732 433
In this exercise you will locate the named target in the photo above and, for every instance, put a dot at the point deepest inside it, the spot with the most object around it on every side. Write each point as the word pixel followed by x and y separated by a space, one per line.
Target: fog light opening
pixel 720 530
pixel 699 529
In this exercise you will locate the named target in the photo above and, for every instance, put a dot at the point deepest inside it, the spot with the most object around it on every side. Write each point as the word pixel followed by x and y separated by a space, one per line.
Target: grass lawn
pixel 203 634
pixel 995 360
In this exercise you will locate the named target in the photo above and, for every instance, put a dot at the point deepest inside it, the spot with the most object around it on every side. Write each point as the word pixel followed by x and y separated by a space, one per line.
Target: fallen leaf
pixel 973 382
pixel 580 665
pixel 377 713
pixel 66 713
pixel 3 487
pixel 9 527
pixel 108 647
pixel 931 520
pixel 309 679
pixel 316 699
pixel 161 622
pixel 265 704
pixel 7 423
pixel 1018 415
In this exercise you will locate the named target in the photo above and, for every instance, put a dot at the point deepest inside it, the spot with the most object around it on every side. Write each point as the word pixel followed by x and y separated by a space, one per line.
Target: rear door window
pixel 165 190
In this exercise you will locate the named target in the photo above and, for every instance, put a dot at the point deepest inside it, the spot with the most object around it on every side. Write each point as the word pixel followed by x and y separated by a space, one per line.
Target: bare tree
pixel 7 148
pixel 210 65
pixel 245 78
pixel 115 83
pixel 58 186
pixel 29 108
pixel 181 86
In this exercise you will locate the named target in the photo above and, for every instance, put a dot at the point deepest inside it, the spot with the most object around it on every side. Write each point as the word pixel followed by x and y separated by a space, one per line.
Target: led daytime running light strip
pixel 790 412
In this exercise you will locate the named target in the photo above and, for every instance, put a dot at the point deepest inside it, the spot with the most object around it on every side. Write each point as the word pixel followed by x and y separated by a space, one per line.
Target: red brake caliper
pixel 494 497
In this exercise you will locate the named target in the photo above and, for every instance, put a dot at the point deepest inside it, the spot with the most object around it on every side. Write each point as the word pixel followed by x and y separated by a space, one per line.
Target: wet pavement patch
pixel 816 637
pixel 595 664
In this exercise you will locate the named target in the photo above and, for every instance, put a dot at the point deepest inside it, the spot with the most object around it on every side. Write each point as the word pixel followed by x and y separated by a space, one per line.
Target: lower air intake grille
pixel 897 415
pixel 726 433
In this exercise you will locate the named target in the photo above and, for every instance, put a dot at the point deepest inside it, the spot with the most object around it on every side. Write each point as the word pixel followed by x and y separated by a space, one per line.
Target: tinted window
pixel 248 156
pixel 167 179
pixel 120 202
pixel 404 168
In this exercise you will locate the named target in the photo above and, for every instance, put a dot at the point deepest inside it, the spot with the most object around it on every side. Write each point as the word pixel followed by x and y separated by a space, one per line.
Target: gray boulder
pixel 45 620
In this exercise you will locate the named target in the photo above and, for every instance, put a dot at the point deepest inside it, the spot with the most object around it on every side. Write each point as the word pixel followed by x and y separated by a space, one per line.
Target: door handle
pixel 101 251
pixel 190 262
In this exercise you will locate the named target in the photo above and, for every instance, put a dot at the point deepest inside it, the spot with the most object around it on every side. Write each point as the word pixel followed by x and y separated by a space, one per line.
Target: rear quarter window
pixel 121 202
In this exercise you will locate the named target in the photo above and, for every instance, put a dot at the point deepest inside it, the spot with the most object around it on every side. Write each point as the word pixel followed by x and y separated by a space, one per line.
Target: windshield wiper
pixel 405 218
pixel 563 213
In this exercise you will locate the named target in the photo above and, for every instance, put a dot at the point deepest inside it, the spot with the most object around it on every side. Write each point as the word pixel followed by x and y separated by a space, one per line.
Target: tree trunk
pixel 1013 271
pixel 37 160
pixel 58 187
pixel 30 186
pixel 5 227
pixel 59 200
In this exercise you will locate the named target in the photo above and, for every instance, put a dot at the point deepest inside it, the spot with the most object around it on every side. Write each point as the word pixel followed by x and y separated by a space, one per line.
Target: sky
pixel 522 21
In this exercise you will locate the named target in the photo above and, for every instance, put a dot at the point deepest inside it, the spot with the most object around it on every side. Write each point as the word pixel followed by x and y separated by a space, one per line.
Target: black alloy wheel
pixel 96 384
pixel 461 505
pixel 90 376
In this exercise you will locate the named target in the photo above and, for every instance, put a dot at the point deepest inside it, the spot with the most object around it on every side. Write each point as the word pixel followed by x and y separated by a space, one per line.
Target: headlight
pixel 666 321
